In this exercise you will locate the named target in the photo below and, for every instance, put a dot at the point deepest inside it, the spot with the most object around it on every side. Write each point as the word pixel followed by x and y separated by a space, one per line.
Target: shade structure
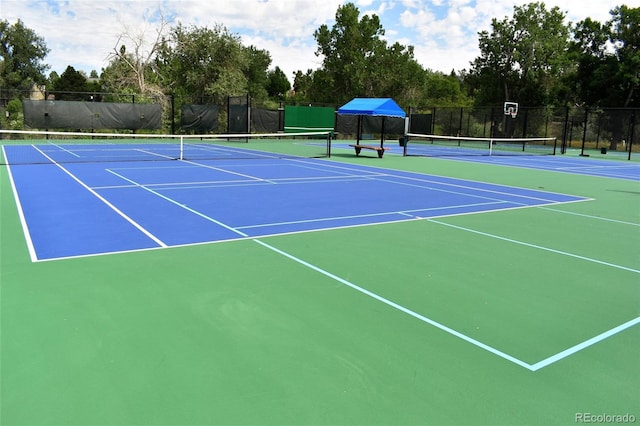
pixel 380 107
pixel 385 107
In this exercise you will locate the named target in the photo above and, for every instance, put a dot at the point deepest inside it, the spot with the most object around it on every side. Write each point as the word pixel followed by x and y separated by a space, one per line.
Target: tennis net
pixel 442 146
pixel 47 147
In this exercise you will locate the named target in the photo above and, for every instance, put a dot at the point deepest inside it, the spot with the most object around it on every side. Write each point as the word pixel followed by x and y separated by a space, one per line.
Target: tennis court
pixel 257 288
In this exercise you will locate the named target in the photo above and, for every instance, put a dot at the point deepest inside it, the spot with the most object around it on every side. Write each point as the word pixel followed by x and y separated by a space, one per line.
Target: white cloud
pixel 82 33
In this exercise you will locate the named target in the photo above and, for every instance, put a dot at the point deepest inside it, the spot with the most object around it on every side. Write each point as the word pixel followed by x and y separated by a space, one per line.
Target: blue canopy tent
pixel 380 107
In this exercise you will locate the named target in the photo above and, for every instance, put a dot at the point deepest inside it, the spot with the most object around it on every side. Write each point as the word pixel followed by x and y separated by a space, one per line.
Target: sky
pixel 444 33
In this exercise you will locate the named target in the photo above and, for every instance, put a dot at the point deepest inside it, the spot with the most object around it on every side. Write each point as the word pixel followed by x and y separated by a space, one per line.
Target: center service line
pixel 105 201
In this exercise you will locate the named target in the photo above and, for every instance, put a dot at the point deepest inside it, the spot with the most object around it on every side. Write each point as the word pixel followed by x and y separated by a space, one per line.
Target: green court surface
pixel 514 317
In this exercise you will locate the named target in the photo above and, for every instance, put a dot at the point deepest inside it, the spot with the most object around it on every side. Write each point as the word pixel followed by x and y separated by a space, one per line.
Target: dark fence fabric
pixel 610 128
pixel 238 114
pixel 199 118
pixel 348 125
pixel 47 114
pixel 266 121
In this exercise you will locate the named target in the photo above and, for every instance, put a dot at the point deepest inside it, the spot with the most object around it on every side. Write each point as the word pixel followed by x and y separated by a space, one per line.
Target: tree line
pixel 533 57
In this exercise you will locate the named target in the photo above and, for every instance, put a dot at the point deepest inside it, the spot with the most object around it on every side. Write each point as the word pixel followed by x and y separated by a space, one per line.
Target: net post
pixel 404 145
pixel 181 147
pixel 490 147
pixel 328 144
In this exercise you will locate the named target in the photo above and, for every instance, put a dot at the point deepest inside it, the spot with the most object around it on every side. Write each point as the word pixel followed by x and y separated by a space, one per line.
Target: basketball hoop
pixel 511 108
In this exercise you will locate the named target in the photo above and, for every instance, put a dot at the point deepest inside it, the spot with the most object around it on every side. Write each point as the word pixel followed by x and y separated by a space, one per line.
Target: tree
pixel 21 54
pixel 72 84
pixel 608 66
pixel 608 60
pixel 256 72
pixel 302 84
pixel 131 63
pixel 196 62
pixel 278 85
pixel 626 39
pixel 523 58
pixel 358 62
pixel 442 90
pixel 347 49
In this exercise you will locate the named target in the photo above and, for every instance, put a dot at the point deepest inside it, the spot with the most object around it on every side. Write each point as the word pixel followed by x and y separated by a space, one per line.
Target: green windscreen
pixel 308 118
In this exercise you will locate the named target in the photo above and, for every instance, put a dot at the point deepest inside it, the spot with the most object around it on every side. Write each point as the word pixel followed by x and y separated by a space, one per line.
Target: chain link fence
pixel 604 130
pixel 610 131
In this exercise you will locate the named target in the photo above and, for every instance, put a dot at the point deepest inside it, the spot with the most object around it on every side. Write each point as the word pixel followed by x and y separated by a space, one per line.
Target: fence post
pixel 493 124
pixel 584 130
pixel 433 121
pixel 563 149
pixel 173 114
pixel 633 128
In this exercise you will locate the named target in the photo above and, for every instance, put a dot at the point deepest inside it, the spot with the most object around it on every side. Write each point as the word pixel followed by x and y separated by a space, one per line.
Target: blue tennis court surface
pixel 617 167
pixel 86 209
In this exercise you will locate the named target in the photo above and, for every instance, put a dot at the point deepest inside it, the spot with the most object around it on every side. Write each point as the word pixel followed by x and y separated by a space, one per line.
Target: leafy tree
pixel 53 76
pixel 358 62
pixel 626 39
pixel 256 72
pixel 72 85
pixel 347 49
pixel 608 60
pixel 278 85
pixel 302 84
pixel 608 65
pixel 21 54
pixel 197 62
pixel 394 73
pixel 523 58
pixel 441 90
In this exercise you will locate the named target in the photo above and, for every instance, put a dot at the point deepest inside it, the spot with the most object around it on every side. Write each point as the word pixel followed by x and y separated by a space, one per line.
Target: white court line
pixel 62 149
pixel 535 367
pixel 453 182
pixel 240 183
pixel 399 307
pixel 476 189
pixel 564 253
pixel 218 169
pixel 449 181
pixel 154 154
pixel 590 216
pixel 183 185
pixel 531 367
pixel 105 201
pixel 171 200
pixel 601 166
pixel 388 213
pixel 590 342
pixel 23 220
